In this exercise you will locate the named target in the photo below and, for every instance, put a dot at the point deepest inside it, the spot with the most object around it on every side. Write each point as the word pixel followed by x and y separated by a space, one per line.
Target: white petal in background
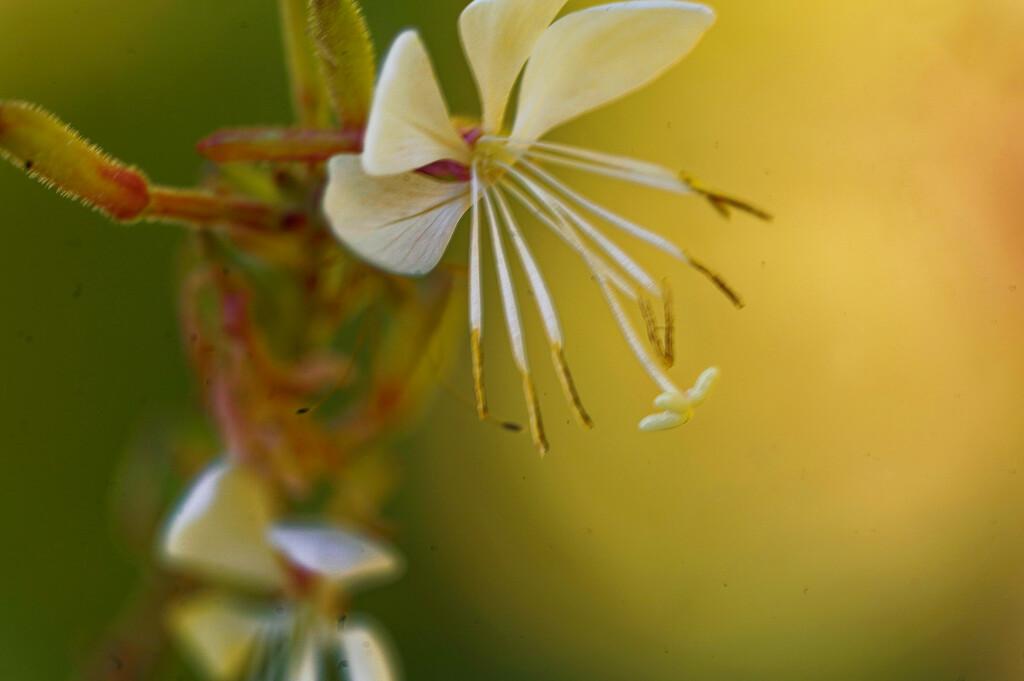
pixel 498 36
pixel 400 223
pixel 409 125
pixel 592 57
pixel 219 529
pixel 337 554
pixel 217 632
pixel 367 653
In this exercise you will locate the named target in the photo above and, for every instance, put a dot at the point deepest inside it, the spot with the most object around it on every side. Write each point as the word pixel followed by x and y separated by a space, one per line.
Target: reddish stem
pixel 205 209
pixel 279 144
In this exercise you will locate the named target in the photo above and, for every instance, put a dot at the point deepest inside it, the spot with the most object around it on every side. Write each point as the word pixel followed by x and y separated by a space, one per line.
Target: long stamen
pixel 634 229
pixel 670 323
pixel 635 344
pixel 558 224
pixel 651 325
pixel 664 345
pixel 547 311
pixel 612 250
pixel 476 299
pixel 600 274
pixel 616 254
pixel 561 226
pixel 723 202
pixel 605 159
pixel 669 184
pixel 514 325
pixel 597 209
pixel 629 169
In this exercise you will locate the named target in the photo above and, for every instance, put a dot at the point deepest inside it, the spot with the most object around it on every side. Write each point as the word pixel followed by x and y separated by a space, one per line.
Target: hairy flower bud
pixel 58 156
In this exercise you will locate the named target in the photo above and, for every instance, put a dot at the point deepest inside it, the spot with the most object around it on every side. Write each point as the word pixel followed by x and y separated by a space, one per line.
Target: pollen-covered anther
pixel 662 343
pixel 723 203
pixel 678 408
pixel 540 441
pixel 569 387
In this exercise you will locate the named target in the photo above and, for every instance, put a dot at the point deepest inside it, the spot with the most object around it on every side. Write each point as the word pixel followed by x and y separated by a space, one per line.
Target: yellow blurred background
pixel 849 504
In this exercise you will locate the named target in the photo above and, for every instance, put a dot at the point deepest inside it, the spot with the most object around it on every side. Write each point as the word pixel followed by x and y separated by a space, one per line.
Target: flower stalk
pixel 316 312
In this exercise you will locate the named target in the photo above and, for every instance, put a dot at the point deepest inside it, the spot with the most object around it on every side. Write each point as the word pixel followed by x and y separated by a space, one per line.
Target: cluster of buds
pixel 314 307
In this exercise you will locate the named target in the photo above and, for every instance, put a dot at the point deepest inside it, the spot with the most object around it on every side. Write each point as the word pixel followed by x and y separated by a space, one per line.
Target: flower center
pixel 490 156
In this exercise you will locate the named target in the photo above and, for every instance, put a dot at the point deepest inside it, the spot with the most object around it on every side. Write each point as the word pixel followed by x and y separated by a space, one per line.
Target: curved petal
pixel 218 633
pixel 336 554
pixel 409 125
pixel 498 36
pixel 592 57
pixel 400 223
pixel 367 653
pixel 219 529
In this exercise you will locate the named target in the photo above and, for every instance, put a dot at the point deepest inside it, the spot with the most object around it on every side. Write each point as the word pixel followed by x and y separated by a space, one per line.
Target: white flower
pixel 397 204
pixel 289 626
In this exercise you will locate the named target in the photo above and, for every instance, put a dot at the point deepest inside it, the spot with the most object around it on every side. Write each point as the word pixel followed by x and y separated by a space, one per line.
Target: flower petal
pixel 498 36
pixel 219 529
pixel 217 632
pixel 337 554
pixel 592 57
pixel 367 653
pixel 409 125
pixel 400 223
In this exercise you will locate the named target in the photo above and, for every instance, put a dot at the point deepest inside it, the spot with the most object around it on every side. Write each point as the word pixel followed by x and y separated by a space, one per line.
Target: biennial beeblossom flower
pixel 397 203
pixel 296 576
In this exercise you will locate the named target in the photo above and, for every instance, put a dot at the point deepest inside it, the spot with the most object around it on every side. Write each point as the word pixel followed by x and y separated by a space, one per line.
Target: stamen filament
pixel 670 322
pixel 476 299
pixel 635 344
pixel 558 224
pixel 600 272
pixel 548 314
pixel 721 202
pixel 569 387
pixel 632 228
pixel 514 325
pixel 622 223
pixel 663 345
pixel 508 293
pixel 541 292
pixel 602 158
pixel 612 250
pixel 616 254
pixel 540 442
pixel 669 184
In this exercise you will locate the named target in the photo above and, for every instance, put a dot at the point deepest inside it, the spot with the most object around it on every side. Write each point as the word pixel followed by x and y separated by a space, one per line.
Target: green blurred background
pixel 848 505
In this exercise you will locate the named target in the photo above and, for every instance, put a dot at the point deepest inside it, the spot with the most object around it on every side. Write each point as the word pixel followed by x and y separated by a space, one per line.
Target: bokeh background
pixel 849 505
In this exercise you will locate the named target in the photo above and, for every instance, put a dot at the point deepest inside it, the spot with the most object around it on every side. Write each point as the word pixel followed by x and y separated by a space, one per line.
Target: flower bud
pixel 58 156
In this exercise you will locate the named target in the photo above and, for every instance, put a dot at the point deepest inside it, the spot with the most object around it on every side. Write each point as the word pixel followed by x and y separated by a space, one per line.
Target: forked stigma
pixel 670 323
